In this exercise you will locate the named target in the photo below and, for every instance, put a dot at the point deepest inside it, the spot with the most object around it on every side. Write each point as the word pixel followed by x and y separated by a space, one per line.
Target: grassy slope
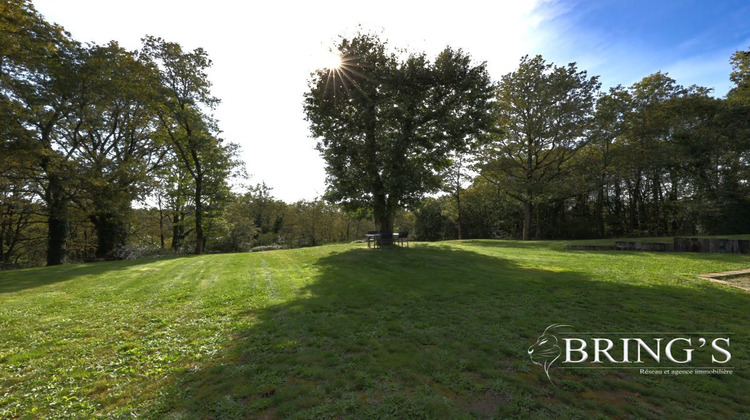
pixel 433 330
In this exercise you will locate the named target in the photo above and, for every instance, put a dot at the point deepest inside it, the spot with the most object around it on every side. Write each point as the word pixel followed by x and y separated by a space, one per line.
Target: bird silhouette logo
pixel 546 349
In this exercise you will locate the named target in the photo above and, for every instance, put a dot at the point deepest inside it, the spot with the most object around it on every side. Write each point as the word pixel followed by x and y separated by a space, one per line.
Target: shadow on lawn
pixel 29 278
pixel 443 332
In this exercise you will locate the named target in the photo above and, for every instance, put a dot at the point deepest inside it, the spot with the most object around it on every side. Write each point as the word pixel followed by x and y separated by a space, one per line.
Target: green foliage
pixel 317 222
pixel 490 213
pixel 255 219
pixel 486 212
pixel 432 223
pixel 545 112
pixel 36 81
pixel 112 127
pixel 198 151
pixel 740 75
pixel 386 125
pixel 239 229
pixel 20 235
pixel 655 158
pixel 663 160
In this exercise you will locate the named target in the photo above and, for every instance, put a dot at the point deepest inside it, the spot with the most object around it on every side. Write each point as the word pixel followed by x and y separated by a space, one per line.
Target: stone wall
pixel 591 248
pixel 643 246
pixel 726 246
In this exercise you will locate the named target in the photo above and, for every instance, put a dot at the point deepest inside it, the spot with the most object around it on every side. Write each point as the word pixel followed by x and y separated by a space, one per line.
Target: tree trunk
pixel 3 257
pixel 58 227
pixel 161 229
pixel 386 224
pixel 383 217
pixel 199 215
pixel 618 206
pixel 600 211
pixel 177 231
pixel 458 210
pixel 526 218
pixel 111 233
pixel 161 223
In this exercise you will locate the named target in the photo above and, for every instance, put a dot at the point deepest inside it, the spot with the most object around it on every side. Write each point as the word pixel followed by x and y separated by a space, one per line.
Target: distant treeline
pixel 652 159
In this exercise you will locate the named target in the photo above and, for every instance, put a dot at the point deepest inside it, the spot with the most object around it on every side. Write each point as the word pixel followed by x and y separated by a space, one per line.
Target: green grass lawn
pixel 435 330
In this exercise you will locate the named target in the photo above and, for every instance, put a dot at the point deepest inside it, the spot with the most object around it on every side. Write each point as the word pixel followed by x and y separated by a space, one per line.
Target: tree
pixel 598 162
pixel 738 113
pixel 184 96
pixel 36 81
pixel 264 209
pixel 111 126
pixel 386 125
pixel 740 75
pixel 545 112
pixel 172 192
pixel 733 166
pixel 239 230
pixel 18 209
pixel 432 224
pixel 455 178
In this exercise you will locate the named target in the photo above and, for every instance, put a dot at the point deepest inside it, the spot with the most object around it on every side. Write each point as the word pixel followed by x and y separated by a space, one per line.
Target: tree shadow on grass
pixel 29 278
pixel 443 332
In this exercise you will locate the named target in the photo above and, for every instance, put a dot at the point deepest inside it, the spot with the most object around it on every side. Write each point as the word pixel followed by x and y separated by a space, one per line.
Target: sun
pixel 340 71
pixel 332 60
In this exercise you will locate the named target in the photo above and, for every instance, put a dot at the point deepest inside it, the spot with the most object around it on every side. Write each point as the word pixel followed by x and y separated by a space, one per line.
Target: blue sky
pixel 263 52
pixel 624 41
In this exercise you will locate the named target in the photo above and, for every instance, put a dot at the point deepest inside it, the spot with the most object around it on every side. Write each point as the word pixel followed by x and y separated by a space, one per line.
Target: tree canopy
pixel 545 113
pixel 184 96
pixel 386 123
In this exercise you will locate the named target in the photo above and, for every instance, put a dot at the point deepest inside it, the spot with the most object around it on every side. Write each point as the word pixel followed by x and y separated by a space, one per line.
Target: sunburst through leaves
pixel 343 72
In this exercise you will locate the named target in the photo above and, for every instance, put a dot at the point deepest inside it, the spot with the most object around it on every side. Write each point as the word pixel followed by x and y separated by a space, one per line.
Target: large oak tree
pixel 386 123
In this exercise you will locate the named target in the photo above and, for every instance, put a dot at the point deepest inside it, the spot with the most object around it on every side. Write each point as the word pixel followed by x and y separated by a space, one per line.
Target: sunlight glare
pixel 332 60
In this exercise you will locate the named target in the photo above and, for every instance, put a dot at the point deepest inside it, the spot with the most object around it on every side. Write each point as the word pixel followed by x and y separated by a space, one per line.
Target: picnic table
pixel 379 239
